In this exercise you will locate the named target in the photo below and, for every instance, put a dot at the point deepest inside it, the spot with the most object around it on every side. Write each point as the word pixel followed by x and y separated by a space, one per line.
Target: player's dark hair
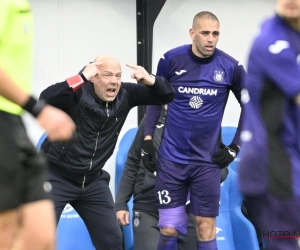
pixel 204 15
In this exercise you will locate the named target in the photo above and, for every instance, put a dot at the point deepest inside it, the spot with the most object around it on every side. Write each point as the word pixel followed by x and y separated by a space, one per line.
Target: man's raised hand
pixel 140 74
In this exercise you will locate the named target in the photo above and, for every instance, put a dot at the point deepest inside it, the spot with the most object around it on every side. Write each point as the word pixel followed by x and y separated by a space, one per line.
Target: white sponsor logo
pixel 68 208
pixel 279 46
pixel 180 72
pixel 232 152
pixel 69 213
pixel 218 230
pixel 159 125
pixel 69 216
pixel 143 153
pixel 218 76
pixel 195 91
pixel 196 102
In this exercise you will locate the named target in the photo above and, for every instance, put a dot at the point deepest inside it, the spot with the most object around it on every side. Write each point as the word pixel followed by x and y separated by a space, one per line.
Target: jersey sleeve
pixel 151 119
pixel 162 67
pixel 239 82
pixel 153 112
pixel 280 64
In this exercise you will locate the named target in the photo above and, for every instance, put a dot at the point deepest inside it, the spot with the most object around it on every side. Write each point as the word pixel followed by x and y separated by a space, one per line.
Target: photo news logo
pixel 279 234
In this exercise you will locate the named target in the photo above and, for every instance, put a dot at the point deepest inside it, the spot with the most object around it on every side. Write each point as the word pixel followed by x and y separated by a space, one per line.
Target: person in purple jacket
pixel 99 106
pixel 270 162
pixel 192 154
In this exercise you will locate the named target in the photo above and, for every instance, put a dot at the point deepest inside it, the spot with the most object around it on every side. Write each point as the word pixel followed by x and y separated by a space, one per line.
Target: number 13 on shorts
pixel 164 197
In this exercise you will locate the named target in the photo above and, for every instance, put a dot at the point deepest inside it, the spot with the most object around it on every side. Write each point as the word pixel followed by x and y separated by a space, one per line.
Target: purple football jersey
pixel 202 86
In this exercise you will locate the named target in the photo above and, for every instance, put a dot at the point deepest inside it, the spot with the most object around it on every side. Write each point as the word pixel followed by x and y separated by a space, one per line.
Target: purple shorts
pixel 174 181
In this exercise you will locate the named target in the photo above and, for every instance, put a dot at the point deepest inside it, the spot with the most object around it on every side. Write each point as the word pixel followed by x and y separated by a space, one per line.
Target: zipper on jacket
pixel 107 111
pixel 91 161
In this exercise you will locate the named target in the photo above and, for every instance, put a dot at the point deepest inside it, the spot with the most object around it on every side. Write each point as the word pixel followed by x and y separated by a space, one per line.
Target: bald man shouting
pixel 98 102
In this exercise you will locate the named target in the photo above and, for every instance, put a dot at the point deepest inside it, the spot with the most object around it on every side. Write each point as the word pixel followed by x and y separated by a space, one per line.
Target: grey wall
pixel 71 33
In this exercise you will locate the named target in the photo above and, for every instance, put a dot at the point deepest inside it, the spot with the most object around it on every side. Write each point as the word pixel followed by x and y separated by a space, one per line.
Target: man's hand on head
pixel 91 70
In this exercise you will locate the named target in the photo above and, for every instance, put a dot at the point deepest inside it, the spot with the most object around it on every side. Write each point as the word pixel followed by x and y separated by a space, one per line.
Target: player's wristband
pixel 75 82
pixel 235 148
pixel 33 106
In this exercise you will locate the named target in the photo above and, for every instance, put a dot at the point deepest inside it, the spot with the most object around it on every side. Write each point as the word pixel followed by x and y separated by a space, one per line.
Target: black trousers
pixel 94 203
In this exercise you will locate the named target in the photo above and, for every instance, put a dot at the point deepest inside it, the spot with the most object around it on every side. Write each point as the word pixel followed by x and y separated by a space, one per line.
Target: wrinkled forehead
pixel 109 64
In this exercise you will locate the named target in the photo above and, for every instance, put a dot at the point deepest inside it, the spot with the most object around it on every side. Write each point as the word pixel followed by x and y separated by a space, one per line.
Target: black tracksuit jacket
pixel 98 124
